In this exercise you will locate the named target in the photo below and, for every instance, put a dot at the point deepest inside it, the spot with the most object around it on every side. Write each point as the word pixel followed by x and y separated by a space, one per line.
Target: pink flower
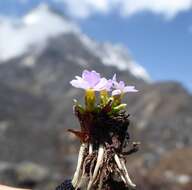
pixel 121 88
pixel 92 80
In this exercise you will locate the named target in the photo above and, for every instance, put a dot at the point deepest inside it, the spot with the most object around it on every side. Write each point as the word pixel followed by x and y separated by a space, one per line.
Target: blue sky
pixel 159 38
pixel 163 48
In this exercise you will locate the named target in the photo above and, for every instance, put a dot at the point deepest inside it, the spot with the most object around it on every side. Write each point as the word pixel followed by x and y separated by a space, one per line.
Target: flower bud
pixel 117 99
pixel 104 97
pixel 119 108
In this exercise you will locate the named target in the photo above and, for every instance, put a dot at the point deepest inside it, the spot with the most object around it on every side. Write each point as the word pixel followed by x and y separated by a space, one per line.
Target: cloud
pixel 167 8
pixel 18 35
pixel 85 8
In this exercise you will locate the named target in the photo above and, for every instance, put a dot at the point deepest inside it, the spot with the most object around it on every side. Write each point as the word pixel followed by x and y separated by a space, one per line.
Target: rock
pixel 27 175
pixel 29 172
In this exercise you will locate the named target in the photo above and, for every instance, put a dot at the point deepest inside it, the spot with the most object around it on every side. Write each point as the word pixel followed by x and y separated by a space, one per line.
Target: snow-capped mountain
pixel 116 55
pixel 20 36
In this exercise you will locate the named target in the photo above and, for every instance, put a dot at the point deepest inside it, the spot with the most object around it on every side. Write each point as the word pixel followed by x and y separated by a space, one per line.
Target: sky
pixel 157 33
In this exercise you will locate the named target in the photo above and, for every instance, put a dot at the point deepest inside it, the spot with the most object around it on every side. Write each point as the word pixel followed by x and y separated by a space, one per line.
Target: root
pixel 79 165
pixel 128 180
pixel 97 166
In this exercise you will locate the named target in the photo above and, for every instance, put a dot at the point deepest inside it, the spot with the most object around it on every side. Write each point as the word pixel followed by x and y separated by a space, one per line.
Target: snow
pixel 80 61
pixel 29 61
pixel 115 55
pixel 16 36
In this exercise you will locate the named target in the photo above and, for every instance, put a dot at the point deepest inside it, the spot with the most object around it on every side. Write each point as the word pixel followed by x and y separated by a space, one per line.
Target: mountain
pixel 32 32
pixel 45 51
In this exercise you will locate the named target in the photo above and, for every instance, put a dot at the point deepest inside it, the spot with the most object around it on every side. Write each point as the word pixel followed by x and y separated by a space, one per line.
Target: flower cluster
pixel 92 82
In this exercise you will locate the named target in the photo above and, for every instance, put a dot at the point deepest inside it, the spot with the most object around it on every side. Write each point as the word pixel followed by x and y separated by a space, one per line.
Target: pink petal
pixel 121 85
pixel 116 92
pixel 101 85
pixel 79 84
pixel 114 79
pixel 129 89
pixel 92 77
pixel 109 85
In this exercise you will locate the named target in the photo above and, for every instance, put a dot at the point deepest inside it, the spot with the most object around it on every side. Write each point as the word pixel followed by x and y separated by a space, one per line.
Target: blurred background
pixel 45 43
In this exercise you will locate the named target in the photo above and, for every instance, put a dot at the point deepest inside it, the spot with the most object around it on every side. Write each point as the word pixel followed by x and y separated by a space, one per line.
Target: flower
pixel 121 88
pixel 91 80
pixel 109 85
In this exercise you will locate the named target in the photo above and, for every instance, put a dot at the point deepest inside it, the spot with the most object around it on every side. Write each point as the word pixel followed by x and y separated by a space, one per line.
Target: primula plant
pixel 103 134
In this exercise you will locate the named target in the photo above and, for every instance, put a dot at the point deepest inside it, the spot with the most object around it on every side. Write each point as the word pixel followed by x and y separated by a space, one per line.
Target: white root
pixel 118 162
pixel 78 171
pixel 90 148
pixel 101 182
pixel 82 183
pixel 130 183
pixel 80 179
pixel 122 167
pixel 83 179
pixel 97 166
